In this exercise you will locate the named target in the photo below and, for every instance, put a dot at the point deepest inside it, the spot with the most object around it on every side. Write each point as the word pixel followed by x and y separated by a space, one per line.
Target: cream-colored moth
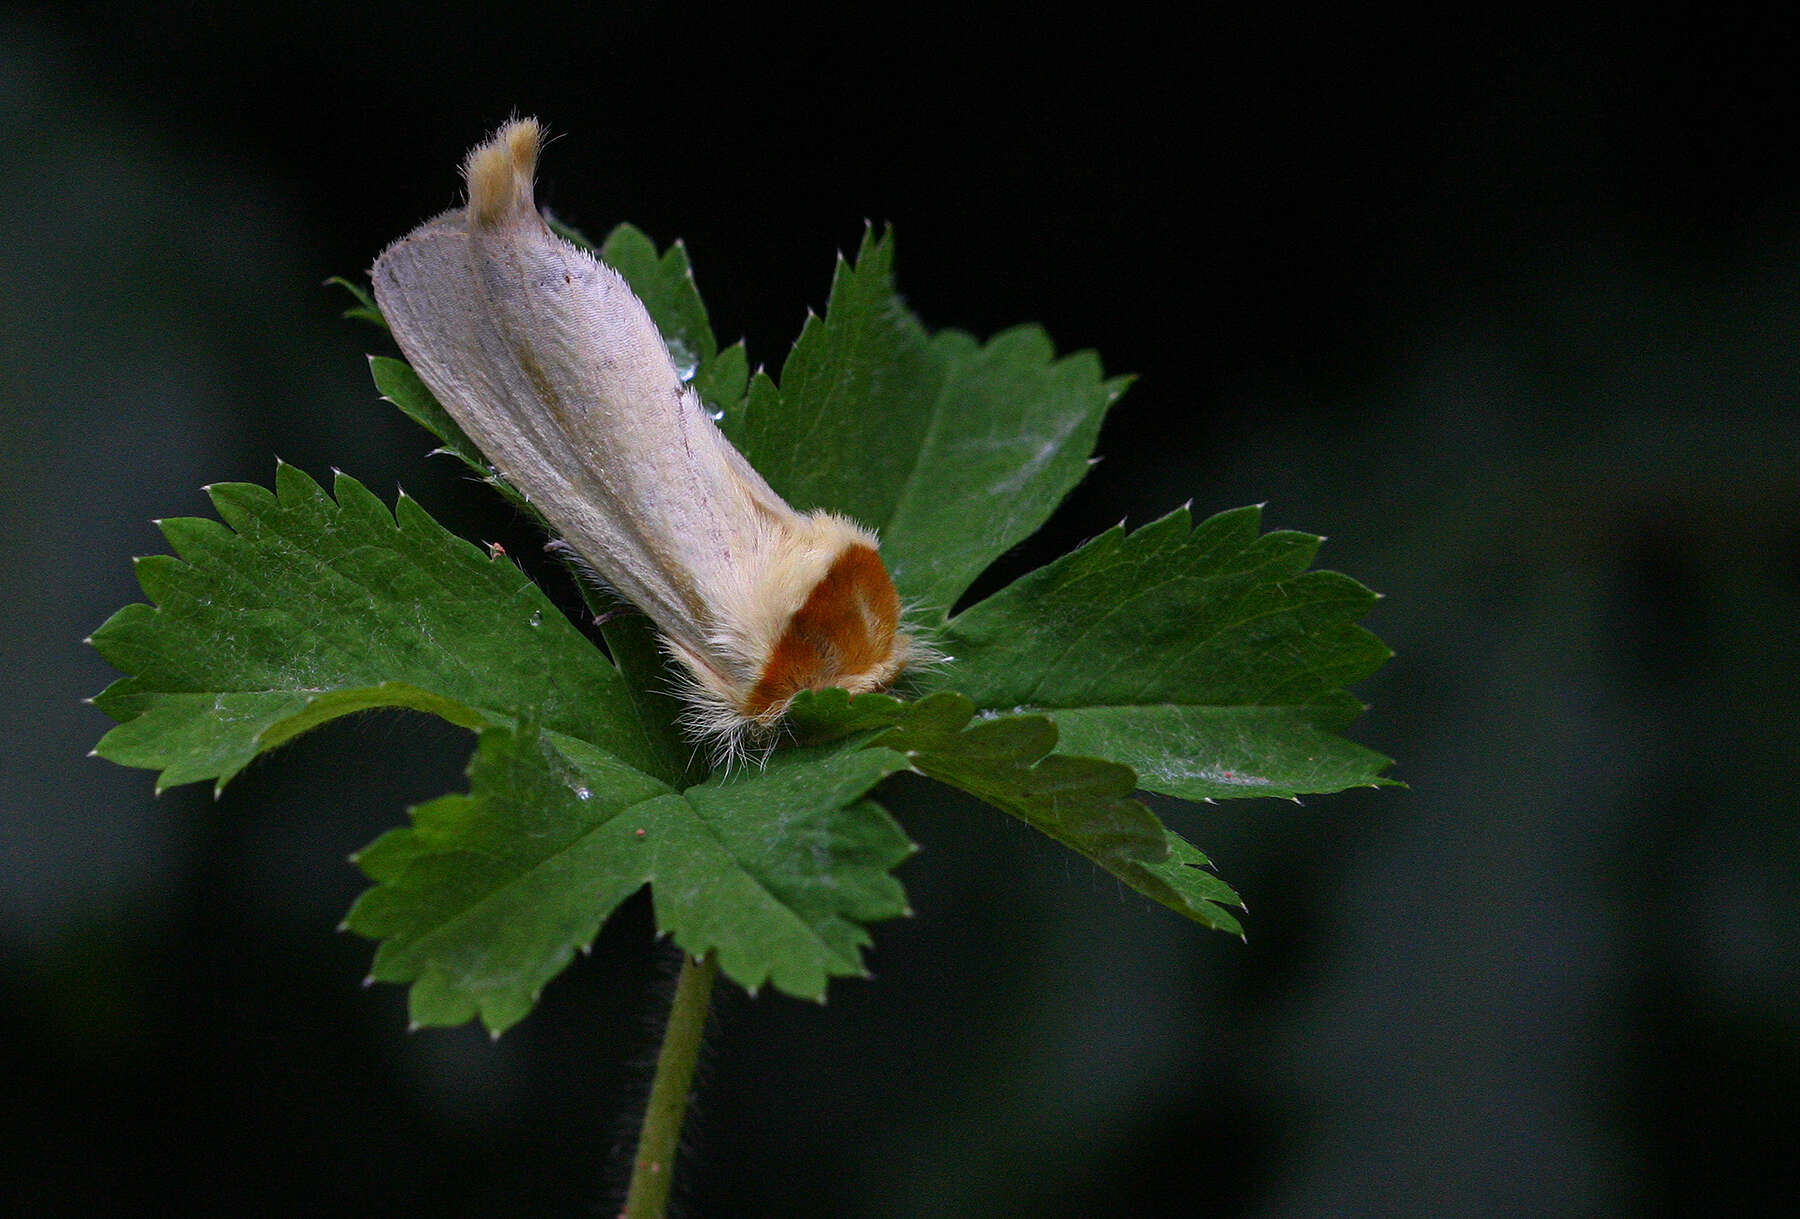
pixel 553 367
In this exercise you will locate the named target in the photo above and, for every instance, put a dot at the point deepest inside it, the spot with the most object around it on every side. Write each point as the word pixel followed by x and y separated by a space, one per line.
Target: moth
pixel 554 368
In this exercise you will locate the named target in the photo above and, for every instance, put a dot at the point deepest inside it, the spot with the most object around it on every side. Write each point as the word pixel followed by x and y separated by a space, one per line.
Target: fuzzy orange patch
pixel 843 635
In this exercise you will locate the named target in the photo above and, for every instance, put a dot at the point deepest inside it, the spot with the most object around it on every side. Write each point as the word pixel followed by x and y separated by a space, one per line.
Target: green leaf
pixel 487 896
pixel 1011 435
pixel 400 385
pixel 1010 762
pixel 953 450
pixel 1208 659
pixel 846 425
pixel 635 649
pixel 192 737
pixel 366 310
pixel 1226 753
pixel 816 716
pixel 301 608
pixel 724 384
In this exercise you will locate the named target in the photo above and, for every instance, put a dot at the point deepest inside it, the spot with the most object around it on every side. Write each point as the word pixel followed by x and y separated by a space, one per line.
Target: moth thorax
pixel 844 634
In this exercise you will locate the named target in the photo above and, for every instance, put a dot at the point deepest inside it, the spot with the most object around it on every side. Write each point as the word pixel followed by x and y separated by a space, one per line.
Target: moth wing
pixel 553 367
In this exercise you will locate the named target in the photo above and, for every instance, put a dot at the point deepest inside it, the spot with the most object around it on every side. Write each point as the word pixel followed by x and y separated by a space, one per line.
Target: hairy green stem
pixel 653 1167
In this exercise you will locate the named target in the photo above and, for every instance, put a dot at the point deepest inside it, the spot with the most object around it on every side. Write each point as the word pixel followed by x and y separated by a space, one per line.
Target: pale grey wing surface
pixel 677 481
pixel 550 364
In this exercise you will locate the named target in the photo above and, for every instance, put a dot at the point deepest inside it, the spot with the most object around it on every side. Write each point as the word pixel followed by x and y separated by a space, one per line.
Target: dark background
pixel 1507 306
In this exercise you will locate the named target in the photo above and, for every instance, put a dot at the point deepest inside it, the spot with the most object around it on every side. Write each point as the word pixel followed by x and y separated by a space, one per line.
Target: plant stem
pixel 653 1167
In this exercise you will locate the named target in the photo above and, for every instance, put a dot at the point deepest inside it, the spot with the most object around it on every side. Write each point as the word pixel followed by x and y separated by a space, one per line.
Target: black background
pixel 1506 304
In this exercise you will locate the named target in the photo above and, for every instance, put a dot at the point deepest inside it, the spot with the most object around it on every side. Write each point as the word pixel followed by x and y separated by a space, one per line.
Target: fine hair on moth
pixel 553 367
